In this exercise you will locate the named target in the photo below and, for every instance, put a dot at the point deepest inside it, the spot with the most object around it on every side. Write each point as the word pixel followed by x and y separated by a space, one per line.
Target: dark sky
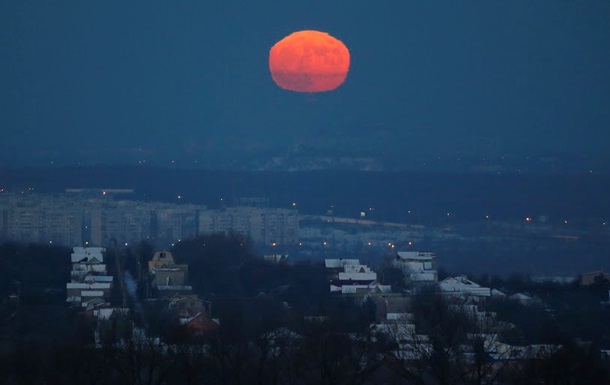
pixel 116 81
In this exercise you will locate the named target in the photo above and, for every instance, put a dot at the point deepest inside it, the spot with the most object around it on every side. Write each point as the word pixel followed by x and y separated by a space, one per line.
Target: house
pixel 357 273
pixel 524 299
pixel 95 303
pixel 462 286
pixel 339 264
pixel 200 324
pixel 93 255
pixel 351 274
pixel 372 288
pixel 187 304
pixel 165 271
pixel 417 266
pixel 161 259
pixel 169 276
pixel 88 277
pixel 81 292
pixel 80 270
pixel 168 291
pixel 276 258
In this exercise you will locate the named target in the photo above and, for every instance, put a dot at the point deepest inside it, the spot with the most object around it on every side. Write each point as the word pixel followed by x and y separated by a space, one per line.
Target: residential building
pixel 349 272
pixel 88 279
pixel 417 266
pixel 276 258
pixel 165 271
pixel 270 226
pixel 462 286
pixel 340 263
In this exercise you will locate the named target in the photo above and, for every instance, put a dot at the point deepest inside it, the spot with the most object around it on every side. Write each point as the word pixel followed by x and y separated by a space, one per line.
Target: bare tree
pixel 449 342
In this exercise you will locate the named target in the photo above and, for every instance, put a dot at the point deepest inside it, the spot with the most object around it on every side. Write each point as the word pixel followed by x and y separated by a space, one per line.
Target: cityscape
pixel 305 193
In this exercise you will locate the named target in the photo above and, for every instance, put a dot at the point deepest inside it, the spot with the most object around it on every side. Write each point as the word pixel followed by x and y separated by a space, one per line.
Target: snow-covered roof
pixel 91 293
pixel 337 263
pixel 462 285
pixel 87 254
pixel 356 269
pixel 521 297
pixel 88 286
pixel 416 255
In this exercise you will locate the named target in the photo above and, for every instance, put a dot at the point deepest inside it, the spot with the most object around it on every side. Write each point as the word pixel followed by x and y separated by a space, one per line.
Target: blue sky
pixel 90 81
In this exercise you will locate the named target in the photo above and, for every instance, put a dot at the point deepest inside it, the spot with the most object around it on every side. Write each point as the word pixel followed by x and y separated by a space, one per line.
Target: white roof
pixel 416 255
pixel 91 293
pixel 356 269
pixel 425 276
pixel 463 285
pixel 99 278
pixel 336 263
pixel 353 289
pixel 358 276
pixel 497 293
pixel 521 297
pixel 89 254
pixel 79 285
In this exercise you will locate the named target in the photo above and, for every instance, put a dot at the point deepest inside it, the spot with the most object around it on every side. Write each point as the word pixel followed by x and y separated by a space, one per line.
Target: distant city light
pixel 528 219
pixel 294 204
pixel 410 243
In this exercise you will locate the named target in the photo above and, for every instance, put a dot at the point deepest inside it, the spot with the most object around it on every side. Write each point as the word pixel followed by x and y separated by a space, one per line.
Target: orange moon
pixel 309 61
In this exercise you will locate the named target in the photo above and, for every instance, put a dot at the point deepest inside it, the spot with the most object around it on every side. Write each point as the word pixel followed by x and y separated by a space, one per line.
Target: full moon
pixel 309 61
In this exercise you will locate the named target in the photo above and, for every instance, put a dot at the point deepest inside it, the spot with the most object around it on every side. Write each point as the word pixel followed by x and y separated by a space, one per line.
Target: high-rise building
pixel 263 225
